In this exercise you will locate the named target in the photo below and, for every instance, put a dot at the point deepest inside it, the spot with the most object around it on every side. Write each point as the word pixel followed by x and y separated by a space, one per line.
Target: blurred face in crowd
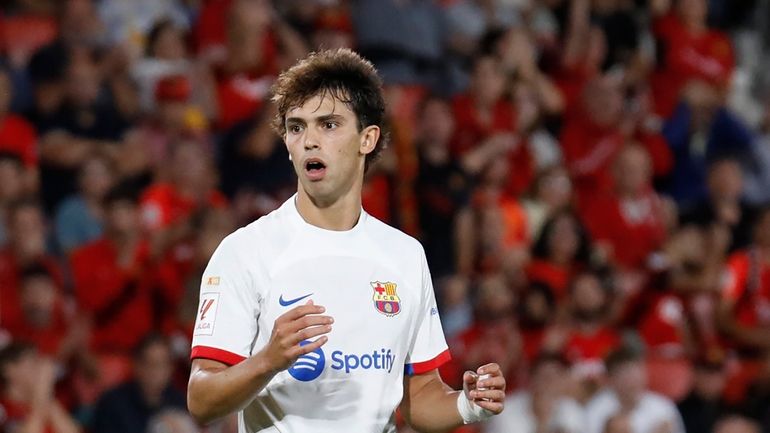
pixel 22 374
pixel 762 228
pixel 564 239
pixel 83 80
pixel 454 291
pixel 588 298
pixel 27 232
pixel 437 123
pixel 633 170
pixel 170 44
pixel 96 178
pixel 5 93
pixel 603 101
pixel 488 81
pixel 725 180
pixel 620 423
pixel 537 311
pixel 629 380
pixel 326 147
pixel 123 218
pixel 38 298
pixel 693 12
pixel 554 188
pixel 154 368
pixel 190 167
pixel 547 378
pixel 736 425
pixel 11 179
pixel 495 298
pixel 709 382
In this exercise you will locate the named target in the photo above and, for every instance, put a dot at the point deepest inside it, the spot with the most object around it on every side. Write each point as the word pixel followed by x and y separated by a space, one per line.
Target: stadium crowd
pixel 590 180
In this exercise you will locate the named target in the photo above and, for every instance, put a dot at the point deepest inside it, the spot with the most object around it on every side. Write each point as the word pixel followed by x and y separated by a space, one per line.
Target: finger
pixel 469 377
pixel 492 406
pixel 492 369
pixel 305 322
pixel 297 312
pixel 488 395
pixel 494 382
pixel 306 334
pixel 298 351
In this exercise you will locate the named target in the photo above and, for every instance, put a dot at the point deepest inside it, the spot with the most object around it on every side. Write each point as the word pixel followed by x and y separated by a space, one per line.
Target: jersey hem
pixel 426 366
pixel 215 354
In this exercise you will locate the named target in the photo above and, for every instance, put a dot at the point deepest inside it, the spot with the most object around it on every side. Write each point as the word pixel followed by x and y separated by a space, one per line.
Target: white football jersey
pixel 373 280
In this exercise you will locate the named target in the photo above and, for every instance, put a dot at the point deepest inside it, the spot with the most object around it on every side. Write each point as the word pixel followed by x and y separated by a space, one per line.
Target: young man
pixel 317 317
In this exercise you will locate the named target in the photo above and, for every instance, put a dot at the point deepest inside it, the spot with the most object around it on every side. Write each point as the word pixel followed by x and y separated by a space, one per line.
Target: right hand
pixel 296 325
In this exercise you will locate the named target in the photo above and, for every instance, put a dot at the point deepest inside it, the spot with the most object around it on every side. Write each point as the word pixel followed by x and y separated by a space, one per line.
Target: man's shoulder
pixel 392 238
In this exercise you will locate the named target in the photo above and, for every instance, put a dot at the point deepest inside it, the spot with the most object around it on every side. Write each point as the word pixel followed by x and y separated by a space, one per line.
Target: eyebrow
pixel 318 119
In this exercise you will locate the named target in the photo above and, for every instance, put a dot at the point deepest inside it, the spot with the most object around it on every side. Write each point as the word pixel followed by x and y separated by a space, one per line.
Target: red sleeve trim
pixel 426 366
pixel 215 354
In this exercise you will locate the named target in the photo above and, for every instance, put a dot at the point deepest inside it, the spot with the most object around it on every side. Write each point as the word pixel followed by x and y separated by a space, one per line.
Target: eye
pixel 295 129
pixel 330 125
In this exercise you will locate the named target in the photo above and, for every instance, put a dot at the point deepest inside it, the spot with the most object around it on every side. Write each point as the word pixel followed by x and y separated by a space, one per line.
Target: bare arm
pixel 576 39
pixel 216 390
pixel 430 405
pixel 754 337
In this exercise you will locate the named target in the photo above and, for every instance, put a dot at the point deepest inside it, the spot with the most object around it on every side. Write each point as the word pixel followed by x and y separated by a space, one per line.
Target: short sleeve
pixel 428 349
pixel 226 324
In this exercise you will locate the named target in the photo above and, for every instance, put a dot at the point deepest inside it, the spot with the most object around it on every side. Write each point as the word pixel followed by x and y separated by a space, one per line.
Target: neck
pixel 335 214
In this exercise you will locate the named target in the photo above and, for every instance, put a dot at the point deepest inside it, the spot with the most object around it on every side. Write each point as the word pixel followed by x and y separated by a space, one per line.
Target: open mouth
pixel 315 169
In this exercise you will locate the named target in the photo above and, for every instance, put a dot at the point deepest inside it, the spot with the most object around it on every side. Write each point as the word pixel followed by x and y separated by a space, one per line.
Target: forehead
pixel 320 105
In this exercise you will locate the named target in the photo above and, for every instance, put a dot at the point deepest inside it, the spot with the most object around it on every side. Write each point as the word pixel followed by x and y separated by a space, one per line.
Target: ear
pixel 369 137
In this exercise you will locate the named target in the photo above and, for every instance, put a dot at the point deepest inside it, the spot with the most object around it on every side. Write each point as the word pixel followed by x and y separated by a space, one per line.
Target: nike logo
pixel 287 302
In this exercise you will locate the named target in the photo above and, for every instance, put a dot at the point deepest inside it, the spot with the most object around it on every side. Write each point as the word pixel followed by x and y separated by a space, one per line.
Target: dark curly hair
pixel 344 75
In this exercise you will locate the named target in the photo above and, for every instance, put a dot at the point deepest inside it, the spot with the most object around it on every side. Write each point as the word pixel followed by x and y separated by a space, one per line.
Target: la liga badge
pixel 385 298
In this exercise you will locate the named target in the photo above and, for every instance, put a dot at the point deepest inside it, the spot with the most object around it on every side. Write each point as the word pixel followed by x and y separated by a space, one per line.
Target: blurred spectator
pixel 258 44
pixel 736 424
pixel 723 207
pixel 256 173
pixel 592 137
pixel 47 319
pixel 701 130
pixel 79 24
pixel 487 126
pixel 13 187
pixel 551 192
pixel 127 23
pixel 704 405
pixel 111 277
pixel 130 407
pixel 620 423
pixel 456 308
pixel 28 402
pixel 26 246
pixel 536 313
pixel 17 135
pixel 758 397
pixel 404 40
pixel 78 219
pixel 559 253
pixel 543 407
pixel 172 421
pixel 757 167
pixel 648 412
pixel 441 186
pixel 688 50
pixel 744 312
pixel 587 337
pixel 629 222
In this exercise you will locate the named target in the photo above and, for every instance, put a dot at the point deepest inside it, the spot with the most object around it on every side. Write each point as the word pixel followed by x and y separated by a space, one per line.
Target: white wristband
pixel 470 411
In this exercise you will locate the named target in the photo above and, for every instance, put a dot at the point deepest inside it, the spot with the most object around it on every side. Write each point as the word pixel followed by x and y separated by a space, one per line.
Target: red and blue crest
pixel 386 300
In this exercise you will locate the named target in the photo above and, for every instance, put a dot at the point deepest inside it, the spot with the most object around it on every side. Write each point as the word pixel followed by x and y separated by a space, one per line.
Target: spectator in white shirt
pixel 543 408
pixel 627 392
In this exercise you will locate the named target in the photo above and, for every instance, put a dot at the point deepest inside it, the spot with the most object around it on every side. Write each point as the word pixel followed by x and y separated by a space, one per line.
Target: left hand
pixel 485 391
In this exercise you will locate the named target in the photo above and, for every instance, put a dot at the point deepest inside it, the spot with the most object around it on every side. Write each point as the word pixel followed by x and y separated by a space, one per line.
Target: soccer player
pixel 318 317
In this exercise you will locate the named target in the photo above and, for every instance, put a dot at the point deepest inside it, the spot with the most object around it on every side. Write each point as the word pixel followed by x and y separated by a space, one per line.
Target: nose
pixel 311 139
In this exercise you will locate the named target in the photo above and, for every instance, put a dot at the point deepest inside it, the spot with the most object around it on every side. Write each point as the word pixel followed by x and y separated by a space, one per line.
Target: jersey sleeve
pixel 226 324
pixel 428 349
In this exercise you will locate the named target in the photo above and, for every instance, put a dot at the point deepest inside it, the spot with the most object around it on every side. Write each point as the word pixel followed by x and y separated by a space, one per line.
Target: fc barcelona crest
pixel 385 298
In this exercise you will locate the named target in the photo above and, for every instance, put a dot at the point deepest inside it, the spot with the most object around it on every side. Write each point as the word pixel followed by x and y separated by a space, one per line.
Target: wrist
pixel 469 411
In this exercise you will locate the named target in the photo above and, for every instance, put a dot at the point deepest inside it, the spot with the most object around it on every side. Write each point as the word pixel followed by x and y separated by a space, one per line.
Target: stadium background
pixel 587 177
